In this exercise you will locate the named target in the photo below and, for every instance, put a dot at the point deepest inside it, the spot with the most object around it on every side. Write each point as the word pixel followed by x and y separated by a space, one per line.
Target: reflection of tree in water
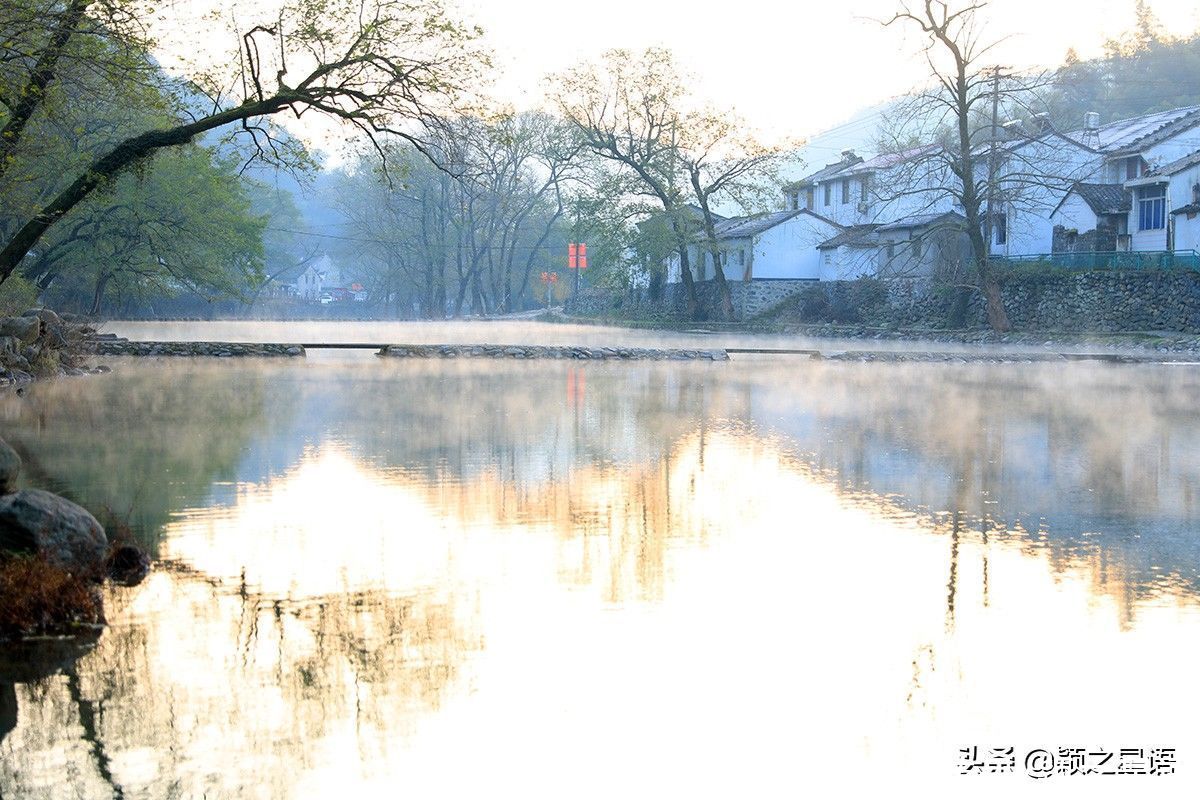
pixel 141 442
pixel 217 687
pixel 1027 456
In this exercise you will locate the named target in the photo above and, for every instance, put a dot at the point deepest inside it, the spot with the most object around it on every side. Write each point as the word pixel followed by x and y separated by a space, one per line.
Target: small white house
pixel 777 246
pixel 310 283
pixel 851 253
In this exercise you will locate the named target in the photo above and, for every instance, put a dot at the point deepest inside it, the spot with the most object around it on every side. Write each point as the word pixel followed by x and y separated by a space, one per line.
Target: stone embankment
pixel 110 345
pixel 549 352
pixel 41 344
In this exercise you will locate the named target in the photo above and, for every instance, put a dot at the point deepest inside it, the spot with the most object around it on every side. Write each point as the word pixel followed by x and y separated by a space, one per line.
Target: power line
pixel 397 242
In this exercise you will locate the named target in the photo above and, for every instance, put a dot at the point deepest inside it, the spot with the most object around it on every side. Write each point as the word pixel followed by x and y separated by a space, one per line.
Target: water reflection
pixel 453 579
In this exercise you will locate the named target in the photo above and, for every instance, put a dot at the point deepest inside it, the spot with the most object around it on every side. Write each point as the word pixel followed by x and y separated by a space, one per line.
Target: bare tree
pixel 965 155
pixel 626 110
pixel 380 66
pixel 723 161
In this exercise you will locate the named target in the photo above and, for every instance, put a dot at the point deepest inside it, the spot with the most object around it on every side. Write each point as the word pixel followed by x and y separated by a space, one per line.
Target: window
pixel 741 257
pixel 810 198
pixel 1196 193
pixel 829 194
pixel 828 258
pixel 864 187
pixel 795 200
pixel 916 248
pixel 891 251
pixel 1133 167
pixel 845 190
pixel 1000 228
pixel 1152 207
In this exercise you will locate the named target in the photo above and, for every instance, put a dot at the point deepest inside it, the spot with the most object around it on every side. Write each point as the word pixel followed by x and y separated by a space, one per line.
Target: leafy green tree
pixel 184 226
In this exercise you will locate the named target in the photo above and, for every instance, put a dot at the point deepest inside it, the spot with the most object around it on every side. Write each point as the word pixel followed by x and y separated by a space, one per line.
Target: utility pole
pixel 993 166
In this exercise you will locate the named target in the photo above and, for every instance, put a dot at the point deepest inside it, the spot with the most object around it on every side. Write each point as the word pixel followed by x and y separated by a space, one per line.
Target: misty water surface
pixel 751 579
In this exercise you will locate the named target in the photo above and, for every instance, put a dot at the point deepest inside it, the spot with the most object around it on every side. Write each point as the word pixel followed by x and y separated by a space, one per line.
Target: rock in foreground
pixel 64 534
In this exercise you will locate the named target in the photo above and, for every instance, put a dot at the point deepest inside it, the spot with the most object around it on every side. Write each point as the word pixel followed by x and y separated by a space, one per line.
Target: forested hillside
pixel 1147 69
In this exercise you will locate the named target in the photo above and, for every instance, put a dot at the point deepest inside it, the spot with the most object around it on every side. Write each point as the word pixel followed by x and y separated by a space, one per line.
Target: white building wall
pixel 789 250
pixel 847 263
pixel 1182 192
pixel 843 213
pixel 1187 232
pixel 1046 171
pixel 1173 149
pixel 1075 213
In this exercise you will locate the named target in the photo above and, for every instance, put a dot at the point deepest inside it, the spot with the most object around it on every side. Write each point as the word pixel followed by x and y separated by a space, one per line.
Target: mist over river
pixel 759 578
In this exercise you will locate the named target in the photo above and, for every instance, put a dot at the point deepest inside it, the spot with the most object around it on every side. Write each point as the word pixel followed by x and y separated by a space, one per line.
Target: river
pixel 763 578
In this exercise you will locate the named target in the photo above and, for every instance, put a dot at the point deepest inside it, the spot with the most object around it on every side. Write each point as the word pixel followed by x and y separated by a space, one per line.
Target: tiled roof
pixel 826 172
pixel 921 220
pixel 1178 165
pixel 741 227
pixel 1104 198
pixel 855 235
pixel 1131 136
pixel 886 160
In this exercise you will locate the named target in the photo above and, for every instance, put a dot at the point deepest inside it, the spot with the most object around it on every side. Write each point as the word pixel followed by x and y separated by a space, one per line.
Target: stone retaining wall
pixel 548 352
pixel 1037 298
pixel 749 299
pixel 124 347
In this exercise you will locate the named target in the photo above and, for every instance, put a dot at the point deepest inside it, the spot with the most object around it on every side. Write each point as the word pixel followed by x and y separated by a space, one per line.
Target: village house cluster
pixel 1083 198
pixel 321 282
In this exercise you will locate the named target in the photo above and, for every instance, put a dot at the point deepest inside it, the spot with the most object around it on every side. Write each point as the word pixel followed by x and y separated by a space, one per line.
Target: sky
pixel 792 69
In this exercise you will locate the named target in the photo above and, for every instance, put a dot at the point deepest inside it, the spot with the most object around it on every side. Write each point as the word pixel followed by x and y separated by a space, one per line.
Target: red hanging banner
pixel 582 255
pixel 572 255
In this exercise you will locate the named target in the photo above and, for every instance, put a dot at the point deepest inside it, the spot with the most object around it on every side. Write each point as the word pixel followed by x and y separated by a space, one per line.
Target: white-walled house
pixel 1166 206
pixel 776 246
pixel 850 254
pixel 310 283
pixel 1134 158
pixel 1132 184
pixel 882 189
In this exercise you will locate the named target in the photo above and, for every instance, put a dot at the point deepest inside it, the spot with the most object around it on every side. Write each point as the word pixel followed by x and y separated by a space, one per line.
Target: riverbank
pixel 1146 342
pixel 42 344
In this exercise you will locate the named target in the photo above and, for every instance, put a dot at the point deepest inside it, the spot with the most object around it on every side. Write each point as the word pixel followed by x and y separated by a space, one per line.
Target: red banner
pixel 572 252
pixel 582 256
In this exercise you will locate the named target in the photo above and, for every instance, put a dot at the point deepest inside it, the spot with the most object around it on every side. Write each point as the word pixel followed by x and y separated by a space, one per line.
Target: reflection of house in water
pixel 1041 464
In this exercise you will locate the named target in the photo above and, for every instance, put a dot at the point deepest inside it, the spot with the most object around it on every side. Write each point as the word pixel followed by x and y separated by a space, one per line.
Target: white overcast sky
pixel 792 68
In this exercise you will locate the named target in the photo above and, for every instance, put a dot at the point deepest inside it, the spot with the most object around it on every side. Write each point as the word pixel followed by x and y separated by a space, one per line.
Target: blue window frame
pixel 1152 207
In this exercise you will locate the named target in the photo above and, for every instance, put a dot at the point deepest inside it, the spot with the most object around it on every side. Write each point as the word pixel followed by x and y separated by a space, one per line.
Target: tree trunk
pixel 714 249
pixel 685 269
pixel 997 316
pixel 98 297
pixel 43 74
pixel 689 285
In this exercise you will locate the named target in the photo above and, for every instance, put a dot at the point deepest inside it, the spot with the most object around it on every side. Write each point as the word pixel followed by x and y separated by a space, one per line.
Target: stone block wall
pixel 1101 240
pixel 1049 299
